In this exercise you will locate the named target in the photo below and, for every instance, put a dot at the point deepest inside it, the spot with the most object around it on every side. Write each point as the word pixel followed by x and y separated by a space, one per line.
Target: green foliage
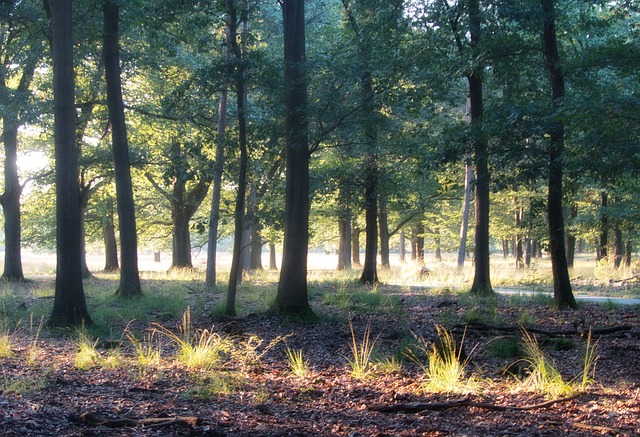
pixel 505 347
pixel 542 374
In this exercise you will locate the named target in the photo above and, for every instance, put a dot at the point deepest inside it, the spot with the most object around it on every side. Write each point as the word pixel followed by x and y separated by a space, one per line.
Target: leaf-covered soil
pixel 50 396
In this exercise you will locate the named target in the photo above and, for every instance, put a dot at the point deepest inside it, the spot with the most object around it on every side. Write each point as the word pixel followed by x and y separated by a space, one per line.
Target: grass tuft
pixel 297 364
pixel 542 374
pixel 361 363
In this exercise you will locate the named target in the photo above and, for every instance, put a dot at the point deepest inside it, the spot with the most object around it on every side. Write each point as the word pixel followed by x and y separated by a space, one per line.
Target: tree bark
pixel 10 201
pixel 619 247
pixel 129 275
pixel 272 257
pixel 420 244
pixel 69 304
pixel 355 246
pixel 437 253
pixel 292 295
pixel 414 244
pixel 384 233
pixel 571 240
pixel 214 213
pixel 466 202
pixel 603 242
pixel 241 96
pixel 562 293
pixel 110 244
pixel 481 281
pixel 255 249
pixel 403 249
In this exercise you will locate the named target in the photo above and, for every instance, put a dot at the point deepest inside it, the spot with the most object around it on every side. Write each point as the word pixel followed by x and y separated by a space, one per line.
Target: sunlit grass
pixel 6 345
pixel 361 351
pixel 87 356
pixel 23 384
pixel 298 366
pixel 589 361
pixel 34 349
pixel 148 351
pixel 542 374
pixel 445 370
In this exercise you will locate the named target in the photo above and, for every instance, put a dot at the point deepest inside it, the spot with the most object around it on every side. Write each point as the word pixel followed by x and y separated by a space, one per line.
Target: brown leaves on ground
pixel 49 396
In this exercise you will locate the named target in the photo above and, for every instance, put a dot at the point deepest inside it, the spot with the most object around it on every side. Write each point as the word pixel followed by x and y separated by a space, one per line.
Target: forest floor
pixel 252 391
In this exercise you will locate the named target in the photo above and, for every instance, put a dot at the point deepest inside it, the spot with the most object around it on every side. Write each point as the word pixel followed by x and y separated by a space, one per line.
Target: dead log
pixel 483 327
pixel 96 419
pixel 465 402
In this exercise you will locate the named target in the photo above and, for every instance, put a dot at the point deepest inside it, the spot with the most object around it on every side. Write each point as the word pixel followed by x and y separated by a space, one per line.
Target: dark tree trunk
pixel 272 257
pixel 481 281
pixel 69 304
pixel 384 234
pixel 10 201
pixel 86 273
pixel 292 294
pixel 344 245
pixel 129 274
pixel 571 239
pixel 181 243
pixel 562 293
pixel 403 249
pixel 214 213
pixel 414 244
pixel 438 250
pixel 369 269
pixel 355 246
pixel 466 202
pixel 527 252
pixel 627 253
pixel 619 247
pixel 256 249
pixel 241 96
pixel 603 243
pixel 110 244
pixel 420 244
pixel 518 252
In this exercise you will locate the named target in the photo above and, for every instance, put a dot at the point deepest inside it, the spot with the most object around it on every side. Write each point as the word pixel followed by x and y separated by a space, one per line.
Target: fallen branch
pixel 483 327
pixel 95 419
pixel 465 402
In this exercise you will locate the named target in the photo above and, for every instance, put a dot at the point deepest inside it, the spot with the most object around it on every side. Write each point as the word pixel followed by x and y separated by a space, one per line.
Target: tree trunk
pixel 110 245
pixel 10 201
pixel 86 273
pixel 562 293
pixel 619 247
pixel 272 257
pixel 181 243
pixel 256 249
pixel 414 244
pixel 344 246
pixel 369 269
pixel 292 295
pixel 481 281
pixel 214 213
pixel 437 253
pixel 571 239
pixel 240 74
pixel 129 274
pixel 69 304
pixel 384 234
pixel 518 252
pixel 403 249
pixel 627 253
pixel 420 244
pixel 603 242
pixel 355 246
pixel 466 202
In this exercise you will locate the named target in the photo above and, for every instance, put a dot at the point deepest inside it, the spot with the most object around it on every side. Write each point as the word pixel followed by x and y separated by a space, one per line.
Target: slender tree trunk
pixel 355 246
pixel 110 244
pixel 562 293
pixel 627 253
pixel 10 201
pixel 69 304
pixel 481 281
pixel 414 244
pixel 129 274
pixel 241 95
pixel 571 239
pixel 272 257
pixel 86 273
pixel 384 234
pixel 369 269
pixel 403 249
pixel 518 252
pixel 619 247
pixel 466 202
pixel 437 254
pixel 256 249
pixel 214 213
pixel 420 244
pixel 603 243
pixel 344 245
pixel 292 294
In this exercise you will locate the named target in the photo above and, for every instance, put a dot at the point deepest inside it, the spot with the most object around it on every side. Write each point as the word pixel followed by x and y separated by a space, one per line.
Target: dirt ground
pixel 50 396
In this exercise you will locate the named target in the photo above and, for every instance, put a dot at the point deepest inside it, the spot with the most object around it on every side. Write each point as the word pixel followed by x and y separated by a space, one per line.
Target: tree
pixel 292 288
pixel 21 50
pixel 129 276
pixel 69 305
pixel 562 294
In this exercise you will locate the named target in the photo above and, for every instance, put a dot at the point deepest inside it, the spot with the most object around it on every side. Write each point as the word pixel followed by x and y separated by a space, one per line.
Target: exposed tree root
pixel 483 327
